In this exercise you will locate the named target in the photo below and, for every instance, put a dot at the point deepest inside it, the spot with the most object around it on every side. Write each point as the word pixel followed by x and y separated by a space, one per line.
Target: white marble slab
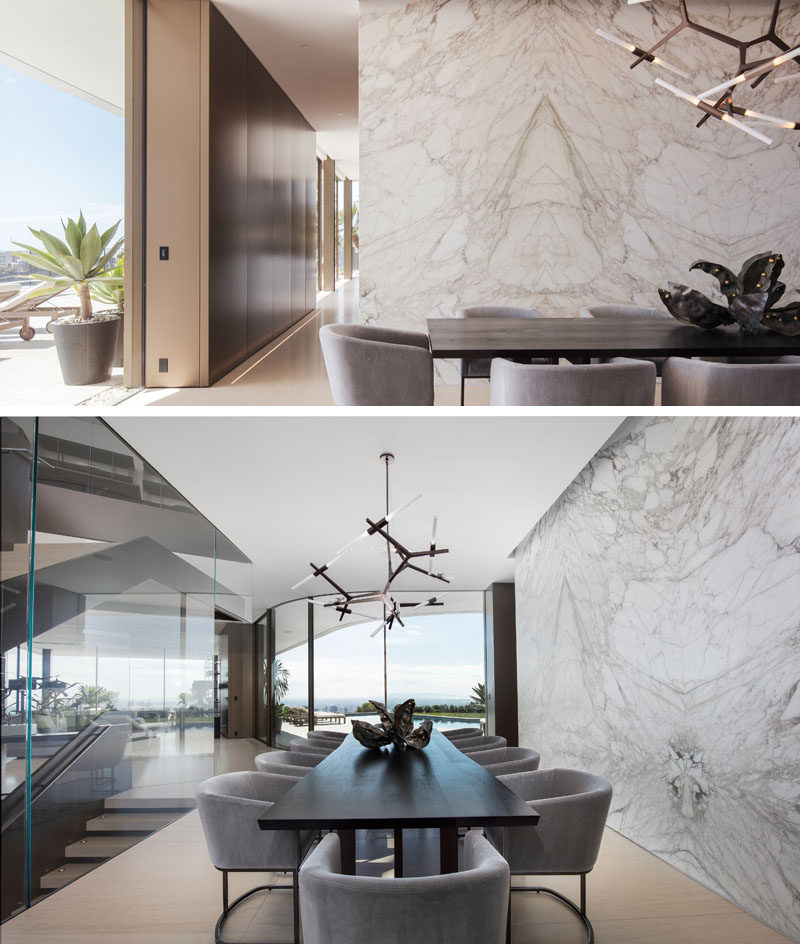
pixel 509 155
pixel 658 636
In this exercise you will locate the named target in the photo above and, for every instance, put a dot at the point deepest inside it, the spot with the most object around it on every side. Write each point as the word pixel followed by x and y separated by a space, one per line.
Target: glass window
pixel 290 673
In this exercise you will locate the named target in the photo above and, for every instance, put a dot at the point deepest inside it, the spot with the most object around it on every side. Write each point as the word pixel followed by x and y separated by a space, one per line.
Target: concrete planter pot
pixel 86 350
pixel 119 350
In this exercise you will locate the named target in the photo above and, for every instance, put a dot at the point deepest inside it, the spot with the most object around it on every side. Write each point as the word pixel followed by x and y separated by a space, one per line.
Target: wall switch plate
pixel 163 253
pixel 163 365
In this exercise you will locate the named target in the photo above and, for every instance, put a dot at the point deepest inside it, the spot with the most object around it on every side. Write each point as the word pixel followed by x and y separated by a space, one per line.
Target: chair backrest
pixel 572 806
pixel 621 382
pixel 460 908
pixel 621 312
pixel 293 758
pixel 371 366
pixel 482 743
pixel 229 807
pixel 703 383
pixel 312 747
pixel 458 733
pixel 513 760
pixel 491 755
pixel 336 736
pixel 497 311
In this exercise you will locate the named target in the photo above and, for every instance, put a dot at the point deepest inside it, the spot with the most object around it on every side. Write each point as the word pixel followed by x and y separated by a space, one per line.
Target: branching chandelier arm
pixel 717 102
pixel 408 560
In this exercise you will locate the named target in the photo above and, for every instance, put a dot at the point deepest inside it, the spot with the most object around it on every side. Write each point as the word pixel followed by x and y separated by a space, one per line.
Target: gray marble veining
pixel 508 154
pixel 658 615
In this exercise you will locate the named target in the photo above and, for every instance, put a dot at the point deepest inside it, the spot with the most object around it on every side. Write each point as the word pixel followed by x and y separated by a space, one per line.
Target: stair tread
pixel 119 822
pixel 149 803
pixel 97 846
pixel 65 873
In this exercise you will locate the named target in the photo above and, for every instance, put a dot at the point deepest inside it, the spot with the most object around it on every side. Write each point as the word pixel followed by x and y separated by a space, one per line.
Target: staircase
pixel 128 818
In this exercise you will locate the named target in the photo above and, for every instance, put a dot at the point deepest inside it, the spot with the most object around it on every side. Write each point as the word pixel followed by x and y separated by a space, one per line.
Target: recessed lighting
pixel 305 45
pixel 340 113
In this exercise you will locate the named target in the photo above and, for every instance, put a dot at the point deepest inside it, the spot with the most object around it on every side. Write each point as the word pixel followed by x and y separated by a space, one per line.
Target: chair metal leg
pixel 462 391
pixel 579 911
pixel 227 907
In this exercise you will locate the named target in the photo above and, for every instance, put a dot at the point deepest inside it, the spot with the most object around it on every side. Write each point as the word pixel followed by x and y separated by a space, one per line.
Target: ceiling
pixel 290 490
pixel 310 47
pixel 311 50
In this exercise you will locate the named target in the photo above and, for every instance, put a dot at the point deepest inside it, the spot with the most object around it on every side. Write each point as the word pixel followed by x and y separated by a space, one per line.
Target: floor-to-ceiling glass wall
pixel 437 658
pixel 62 97
pixel 108 704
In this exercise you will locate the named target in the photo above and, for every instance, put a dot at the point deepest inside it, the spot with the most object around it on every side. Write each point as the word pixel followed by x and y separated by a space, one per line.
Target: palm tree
pixel 82 259
pixel 478 697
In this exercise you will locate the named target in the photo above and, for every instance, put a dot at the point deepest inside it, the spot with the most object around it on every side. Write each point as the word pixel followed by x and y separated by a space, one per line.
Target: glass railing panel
pixel 16 481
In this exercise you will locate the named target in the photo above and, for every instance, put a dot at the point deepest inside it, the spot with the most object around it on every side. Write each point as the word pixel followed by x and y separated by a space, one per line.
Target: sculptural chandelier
pixel 717 101
pixel 399 559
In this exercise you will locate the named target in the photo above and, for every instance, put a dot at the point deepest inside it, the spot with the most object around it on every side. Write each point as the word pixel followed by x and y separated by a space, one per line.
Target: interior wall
pixel 231 191
pixel 260 235
pixel 509 155
pixel 658 644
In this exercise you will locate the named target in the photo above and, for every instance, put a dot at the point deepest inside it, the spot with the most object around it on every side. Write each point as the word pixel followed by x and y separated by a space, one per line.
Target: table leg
pixel 398 852
pixel 347 843
pixel 448 849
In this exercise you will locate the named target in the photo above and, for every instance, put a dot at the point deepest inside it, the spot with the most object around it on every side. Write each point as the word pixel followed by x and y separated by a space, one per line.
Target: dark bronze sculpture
pixel 396 729
pixel 751 296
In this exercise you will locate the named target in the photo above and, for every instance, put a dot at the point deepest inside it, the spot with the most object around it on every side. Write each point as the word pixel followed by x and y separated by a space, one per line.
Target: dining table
pixel 438 787
pixel 579 339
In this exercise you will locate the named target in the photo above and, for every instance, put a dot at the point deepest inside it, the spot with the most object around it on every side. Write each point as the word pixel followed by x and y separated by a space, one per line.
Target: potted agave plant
pixel 111 291
pixel 85 342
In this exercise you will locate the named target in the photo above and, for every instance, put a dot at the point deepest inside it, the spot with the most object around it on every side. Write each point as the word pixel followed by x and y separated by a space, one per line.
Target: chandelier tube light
pixel 638 51
pixel 753 73
pixel 713 111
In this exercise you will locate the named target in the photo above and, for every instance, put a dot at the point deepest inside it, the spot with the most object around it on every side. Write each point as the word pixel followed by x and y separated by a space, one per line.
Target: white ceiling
pixel 310 47
pixel 290 490
pixel 77 46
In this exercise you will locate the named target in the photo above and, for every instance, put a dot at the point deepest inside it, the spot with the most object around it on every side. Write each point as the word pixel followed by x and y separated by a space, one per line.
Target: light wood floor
pixel 165 890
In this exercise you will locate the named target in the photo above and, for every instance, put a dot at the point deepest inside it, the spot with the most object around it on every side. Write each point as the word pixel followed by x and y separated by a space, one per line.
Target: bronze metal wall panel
pixel 311 218
pixel 298 218
pixel 228 217
pixel 282 210
pixel 261 94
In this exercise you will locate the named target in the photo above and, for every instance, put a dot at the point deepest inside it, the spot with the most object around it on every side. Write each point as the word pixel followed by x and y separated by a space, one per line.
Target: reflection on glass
pixel 112 677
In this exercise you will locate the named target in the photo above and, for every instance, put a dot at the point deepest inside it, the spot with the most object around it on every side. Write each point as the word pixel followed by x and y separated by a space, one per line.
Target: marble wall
pixel 508 154
pixel 658 610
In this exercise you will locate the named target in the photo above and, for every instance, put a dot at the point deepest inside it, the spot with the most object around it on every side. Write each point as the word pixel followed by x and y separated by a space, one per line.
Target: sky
pixel 438 656
pixel 59 155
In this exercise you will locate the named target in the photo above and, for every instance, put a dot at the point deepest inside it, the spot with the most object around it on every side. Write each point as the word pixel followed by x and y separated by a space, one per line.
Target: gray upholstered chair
pixel 701 383
pixel 509 760
pixel 458 733
pixel 318 748
pixel 621 382
pixel 489 755
pixel 290 763
pixel 605 312
pixel 479 368
pixel 460 908
pixel 572 806
pixel 229 807
pixel 483 742
pixel 325 736
pixel 371 366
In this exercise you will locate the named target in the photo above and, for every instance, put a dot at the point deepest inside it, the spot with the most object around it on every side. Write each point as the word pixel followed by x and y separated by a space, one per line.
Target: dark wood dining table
pixel 438 787
pixel 578 339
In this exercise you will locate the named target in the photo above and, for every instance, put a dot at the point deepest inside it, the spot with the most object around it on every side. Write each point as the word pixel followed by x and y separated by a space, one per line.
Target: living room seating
pixel 371 366
pixel 703 383
pixel 460 908
pixel 573 806
pixel 621 382
pixel 229 807
pixel 479 368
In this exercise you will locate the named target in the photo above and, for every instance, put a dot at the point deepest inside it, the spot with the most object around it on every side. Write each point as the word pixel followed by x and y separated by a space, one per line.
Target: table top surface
pixel 593 337
pixel 356 788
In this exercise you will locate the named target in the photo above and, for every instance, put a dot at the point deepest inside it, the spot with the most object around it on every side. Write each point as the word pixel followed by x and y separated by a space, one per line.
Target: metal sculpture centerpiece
pixel 396 729
pixel 717 102
pixel 751 297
